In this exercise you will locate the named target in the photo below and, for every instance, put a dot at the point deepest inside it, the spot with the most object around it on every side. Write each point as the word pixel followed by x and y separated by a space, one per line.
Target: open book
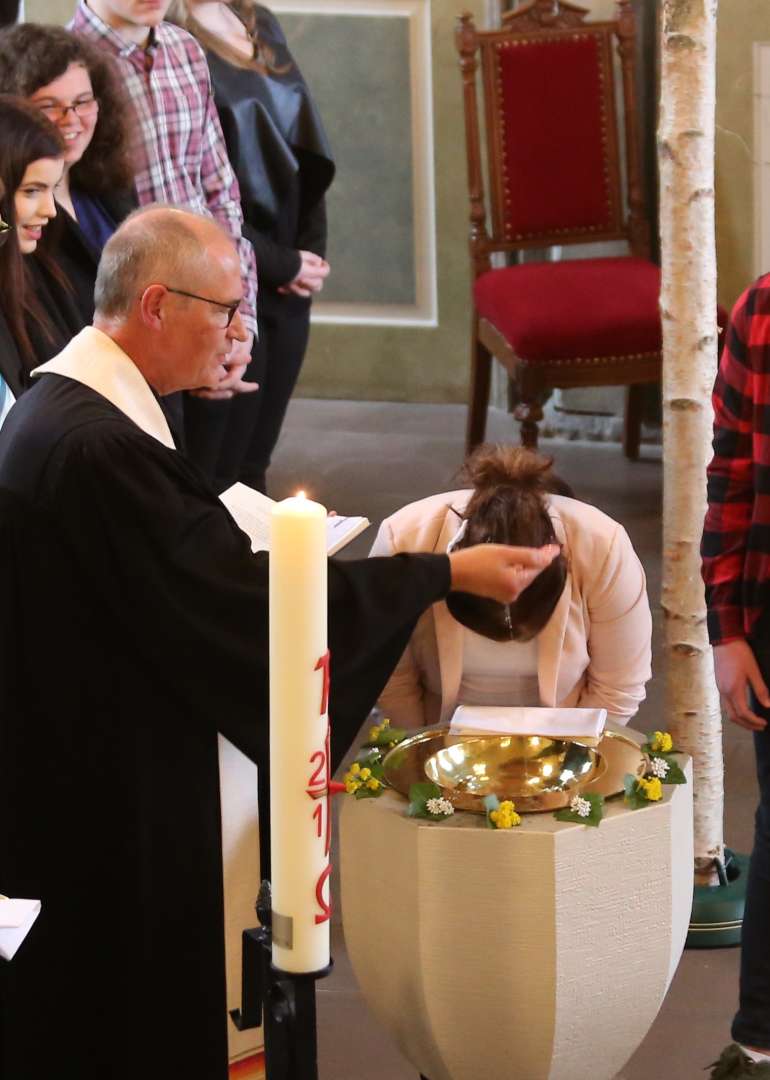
pixel 16 919
pixel 251 510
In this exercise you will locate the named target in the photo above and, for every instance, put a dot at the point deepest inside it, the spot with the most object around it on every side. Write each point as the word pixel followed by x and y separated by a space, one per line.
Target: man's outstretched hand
pixel 737 671
pixel 497 571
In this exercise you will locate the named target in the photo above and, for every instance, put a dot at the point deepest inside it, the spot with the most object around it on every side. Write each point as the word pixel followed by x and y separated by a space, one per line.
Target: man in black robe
pixel 133 629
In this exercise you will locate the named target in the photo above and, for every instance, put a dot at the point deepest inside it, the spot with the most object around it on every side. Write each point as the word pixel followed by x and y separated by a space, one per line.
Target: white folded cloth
pixel 16 919
pixel 554 723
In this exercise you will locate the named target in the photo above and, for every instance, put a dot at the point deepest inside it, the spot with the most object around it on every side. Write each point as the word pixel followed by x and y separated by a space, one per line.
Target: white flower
pixel 659 768
pixel 439 807
pixel 580 806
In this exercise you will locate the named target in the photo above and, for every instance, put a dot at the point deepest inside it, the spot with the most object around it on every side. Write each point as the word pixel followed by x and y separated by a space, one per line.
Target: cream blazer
pixel 594 651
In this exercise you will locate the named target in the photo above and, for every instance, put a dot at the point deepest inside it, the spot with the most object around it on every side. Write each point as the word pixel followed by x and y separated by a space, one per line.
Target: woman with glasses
pixel 75 85
pixel 280 154
pixel 38 314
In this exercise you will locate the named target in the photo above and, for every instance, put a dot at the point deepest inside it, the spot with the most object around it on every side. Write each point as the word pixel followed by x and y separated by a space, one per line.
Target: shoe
pixel 733 1064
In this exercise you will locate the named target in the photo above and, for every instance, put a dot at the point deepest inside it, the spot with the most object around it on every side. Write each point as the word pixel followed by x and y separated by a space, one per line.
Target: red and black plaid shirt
pixel 736 535
pixel 180 148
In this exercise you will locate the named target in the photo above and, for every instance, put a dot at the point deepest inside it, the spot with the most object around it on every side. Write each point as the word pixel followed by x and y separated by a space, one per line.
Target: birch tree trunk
pixel 688 305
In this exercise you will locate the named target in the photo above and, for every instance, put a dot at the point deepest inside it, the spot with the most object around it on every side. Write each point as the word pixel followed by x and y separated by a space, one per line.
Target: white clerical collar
pixel 95 360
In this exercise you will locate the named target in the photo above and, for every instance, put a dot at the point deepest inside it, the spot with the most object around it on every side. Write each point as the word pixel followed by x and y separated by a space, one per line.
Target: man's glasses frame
pixel 230 308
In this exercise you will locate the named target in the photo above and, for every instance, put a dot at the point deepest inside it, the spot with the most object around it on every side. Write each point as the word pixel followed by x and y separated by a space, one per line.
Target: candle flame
pixel 301 495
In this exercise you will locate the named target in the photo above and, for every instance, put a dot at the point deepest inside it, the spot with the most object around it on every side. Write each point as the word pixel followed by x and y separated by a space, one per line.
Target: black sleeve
pixel 177 577
pixel 311 232
pixel 276 264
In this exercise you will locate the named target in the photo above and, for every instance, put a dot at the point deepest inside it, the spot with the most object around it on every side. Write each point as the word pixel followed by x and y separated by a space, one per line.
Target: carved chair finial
pixel 545 14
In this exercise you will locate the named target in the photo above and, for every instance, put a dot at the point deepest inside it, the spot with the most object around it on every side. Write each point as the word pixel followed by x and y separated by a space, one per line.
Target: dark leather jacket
pixel 280 153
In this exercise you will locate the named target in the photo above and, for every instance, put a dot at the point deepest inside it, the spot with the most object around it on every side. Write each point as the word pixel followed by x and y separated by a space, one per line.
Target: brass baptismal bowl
pixel 537 772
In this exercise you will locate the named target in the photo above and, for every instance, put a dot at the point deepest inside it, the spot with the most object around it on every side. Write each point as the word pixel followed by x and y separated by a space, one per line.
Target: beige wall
pixel 49 11
pixel 741 23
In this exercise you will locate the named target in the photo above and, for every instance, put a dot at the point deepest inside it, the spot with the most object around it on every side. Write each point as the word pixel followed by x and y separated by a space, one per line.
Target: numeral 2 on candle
pixel 318 788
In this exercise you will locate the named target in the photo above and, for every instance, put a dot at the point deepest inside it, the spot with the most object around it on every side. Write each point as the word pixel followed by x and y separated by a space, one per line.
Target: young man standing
pixel 181 160
pixel 736 570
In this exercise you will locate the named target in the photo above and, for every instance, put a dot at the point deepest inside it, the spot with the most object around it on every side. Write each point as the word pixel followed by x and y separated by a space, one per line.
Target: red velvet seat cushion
pixel 575 309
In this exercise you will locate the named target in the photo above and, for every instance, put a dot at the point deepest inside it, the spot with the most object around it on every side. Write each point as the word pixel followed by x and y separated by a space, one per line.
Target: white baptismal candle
pixel 299 736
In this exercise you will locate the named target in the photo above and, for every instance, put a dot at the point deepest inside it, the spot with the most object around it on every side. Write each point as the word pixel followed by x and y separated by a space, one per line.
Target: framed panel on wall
pixel 368 64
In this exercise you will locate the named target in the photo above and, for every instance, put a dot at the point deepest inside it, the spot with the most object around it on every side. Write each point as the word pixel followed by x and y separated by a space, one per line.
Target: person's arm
pixel 402 700
pixel 311 233
pixel 277 264
pixel 619 637
pixel 730 493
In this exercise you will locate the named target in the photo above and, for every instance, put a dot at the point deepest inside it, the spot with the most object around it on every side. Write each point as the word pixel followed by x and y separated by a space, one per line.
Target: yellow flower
pixel 373 783
pixel 662 741
pixel 364 774
pixel 377 730
pixel 354 777
pixel 505 817
pixel 652 788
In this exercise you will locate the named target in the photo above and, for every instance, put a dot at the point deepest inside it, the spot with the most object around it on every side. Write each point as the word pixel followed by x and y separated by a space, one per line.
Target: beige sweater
pixel 594 652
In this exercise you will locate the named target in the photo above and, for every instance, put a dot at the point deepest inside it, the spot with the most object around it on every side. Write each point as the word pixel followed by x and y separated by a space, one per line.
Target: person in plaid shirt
pixel 736 570
pixel 182 161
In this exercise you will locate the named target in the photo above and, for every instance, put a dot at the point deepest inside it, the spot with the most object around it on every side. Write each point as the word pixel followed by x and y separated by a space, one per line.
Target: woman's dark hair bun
pixel 502 466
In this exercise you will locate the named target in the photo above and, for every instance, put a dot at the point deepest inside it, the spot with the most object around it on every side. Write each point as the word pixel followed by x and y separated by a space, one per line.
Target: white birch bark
pixel 688 304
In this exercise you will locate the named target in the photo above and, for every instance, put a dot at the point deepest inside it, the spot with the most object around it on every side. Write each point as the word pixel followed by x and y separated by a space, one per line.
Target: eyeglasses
pixel 5 231
pixel 57 111
pixel 230 308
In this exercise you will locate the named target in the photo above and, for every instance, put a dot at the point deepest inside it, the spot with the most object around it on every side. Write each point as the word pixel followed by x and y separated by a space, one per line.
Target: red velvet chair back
pixel 553 150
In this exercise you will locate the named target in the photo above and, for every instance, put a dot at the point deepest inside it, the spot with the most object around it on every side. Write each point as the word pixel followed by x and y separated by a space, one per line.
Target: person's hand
pixel 233 382
pixel 310 277
pixel 736 670
pixel 497 571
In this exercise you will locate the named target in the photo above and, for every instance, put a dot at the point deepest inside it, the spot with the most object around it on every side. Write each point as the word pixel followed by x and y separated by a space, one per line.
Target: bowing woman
pixel 38 315
pixel 579 636
pixel 280 154
pixel 76 86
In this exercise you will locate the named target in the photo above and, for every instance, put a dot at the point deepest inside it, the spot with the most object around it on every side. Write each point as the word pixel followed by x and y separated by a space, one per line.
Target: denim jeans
pixel 751 1025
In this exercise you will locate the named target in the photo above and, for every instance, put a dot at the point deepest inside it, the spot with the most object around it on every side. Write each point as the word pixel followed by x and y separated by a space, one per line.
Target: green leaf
pixel 634 797
pixel 674 774
pixel 388 737
pixel 593 819
pixel 367 793
pixel 418 797
pixel 369 757
pixel 629 783
pixel 491 802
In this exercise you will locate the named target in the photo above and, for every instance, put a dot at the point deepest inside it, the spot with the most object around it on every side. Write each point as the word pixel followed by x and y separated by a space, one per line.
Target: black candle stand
pixel 283 1000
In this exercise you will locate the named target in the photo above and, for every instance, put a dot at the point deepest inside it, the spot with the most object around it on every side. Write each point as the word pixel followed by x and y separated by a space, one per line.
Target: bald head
pixel 157 244
pixel 167 292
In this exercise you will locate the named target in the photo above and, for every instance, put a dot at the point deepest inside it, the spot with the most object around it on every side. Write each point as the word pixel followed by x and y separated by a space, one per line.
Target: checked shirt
pixel 736 536
pixel 181 155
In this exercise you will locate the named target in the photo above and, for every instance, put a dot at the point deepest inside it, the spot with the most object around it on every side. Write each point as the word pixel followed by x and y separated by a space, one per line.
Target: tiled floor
pixel 370 458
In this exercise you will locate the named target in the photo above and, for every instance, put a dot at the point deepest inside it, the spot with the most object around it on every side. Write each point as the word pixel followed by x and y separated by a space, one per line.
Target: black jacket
pixel 64 321
pixel 280 153
pixel 133 628
pixel 78 258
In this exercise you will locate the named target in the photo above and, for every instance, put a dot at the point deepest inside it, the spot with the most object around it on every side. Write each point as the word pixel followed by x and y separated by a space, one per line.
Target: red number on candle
pixel 323 664
pixel 318 814
pixel 322 902
pixel 318 778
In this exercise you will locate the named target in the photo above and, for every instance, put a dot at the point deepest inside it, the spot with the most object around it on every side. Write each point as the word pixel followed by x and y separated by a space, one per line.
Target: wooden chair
pixel 554 178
